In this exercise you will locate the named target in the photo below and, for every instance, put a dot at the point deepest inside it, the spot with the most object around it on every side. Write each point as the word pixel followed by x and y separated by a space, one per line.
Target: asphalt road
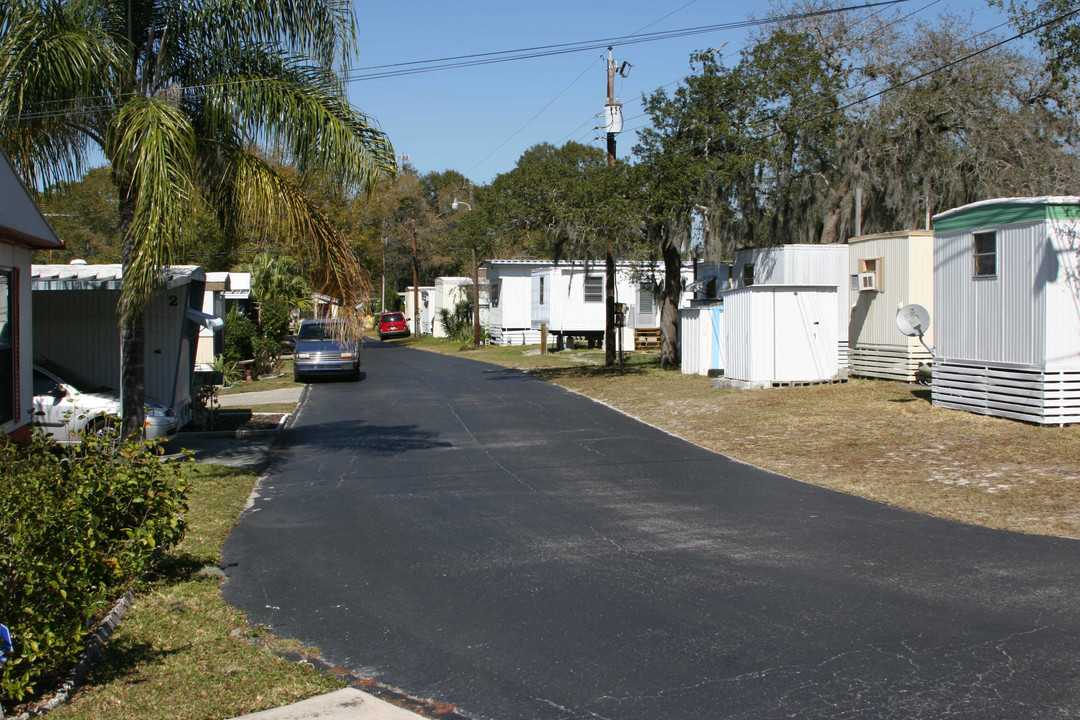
pixel 475 536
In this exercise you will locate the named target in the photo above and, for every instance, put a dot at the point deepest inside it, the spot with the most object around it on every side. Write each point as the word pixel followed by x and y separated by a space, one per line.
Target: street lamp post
pixel 476 272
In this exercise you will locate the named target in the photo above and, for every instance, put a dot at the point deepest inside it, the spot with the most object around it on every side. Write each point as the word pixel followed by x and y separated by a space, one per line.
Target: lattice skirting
pixel 843 355
pixel 527 336
pixel 887 362
pixel 1046 397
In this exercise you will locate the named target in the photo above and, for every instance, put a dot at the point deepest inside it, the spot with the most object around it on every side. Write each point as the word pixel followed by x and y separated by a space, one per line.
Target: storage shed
pixel 799 264
pixel 886 273
pixel 77 328
pixel 702 339
pixel 781 334
pixel 1007 300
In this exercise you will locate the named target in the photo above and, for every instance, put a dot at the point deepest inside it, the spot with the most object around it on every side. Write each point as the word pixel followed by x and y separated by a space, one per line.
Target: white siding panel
pixel 702 339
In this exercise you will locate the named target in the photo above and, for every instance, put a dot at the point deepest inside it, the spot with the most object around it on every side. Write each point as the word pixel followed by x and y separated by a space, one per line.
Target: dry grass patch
pixel 879 440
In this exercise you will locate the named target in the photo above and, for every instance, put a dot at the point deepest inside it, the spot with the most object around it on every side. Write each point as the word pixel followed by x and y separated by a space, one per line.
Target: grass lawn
pixel 181 651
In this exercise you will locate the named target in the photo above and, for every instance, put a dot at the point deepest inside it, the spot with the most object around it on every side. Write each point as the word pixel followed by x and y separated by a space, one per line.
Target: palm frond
pixel 267 201
pixel 152 144
pixel 56 73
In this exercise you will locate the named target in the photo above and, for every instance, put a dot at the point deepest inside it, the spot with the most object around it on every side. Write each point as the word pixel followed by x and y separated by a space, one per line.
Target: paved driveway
pixel 475 536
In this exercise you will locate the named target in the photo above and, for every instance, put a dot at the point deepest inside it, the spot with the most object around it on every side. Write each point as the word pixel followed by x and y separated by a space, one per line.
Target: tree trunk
pixel 609 311
pixel 669 306
pixel 132 334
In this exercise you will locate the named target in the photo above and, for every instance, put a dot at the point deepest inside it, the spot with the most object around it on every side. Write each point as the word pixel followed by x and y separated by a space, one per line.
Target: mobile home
pixel 1007 303
pixel 510 300
pixel 886 273
pixel 23 229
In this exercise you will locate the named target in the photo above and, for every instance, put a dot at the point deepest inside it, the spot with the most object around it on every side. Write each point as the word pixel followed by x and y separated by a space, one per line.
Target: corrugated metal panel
pixel 702 339
pixel 77 330
pixel 1000 319
pixel 905 276
pixel 781 334
pixel 1063 296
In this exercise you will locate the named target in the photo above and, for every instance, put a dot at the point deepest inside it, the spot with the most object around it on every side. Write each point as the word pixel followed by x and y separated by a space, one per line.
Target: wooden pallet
pixel 647 338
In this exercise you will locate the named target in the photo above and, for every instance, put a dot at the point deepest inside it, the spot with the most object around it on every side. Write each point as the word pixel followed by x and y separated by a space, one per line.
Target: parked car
pixel 325 348
pixel 393 325
pixel 64 412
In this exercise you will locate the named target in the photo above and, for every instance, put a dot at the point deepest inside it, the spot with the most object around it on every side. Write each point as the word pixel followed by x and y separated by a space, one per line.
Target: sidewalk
pixel 261 397
pixel 347 704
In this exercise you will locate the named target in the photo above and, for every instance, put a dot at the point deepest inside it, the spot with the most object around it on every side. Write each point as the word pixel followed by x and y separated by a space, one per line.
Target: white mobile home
pixel 1007 302
pixel 570 299
pixel 76 328
pixel 425 294
pixel 223 291
pixel 781 334
pixel 510 293
pixel 448 292
pixel 799 264
pixel 886 273
pixel 23 229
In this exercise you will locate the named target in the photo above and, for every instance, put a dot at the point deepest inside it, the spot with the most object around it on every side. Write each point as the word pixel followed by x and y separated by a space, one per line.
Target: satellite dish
pixel 913 320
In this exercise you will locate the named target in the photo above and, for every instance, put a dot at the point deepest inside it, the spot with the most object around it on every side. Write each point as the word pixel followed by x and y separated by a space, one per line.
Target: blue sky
pixel 479 120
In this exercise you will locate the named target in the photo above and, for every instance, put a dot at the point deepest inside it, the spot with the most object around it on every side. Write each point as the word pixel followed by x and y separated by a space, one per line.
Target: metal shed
pixel 1007 299
pixel 77 329
pixel 799 264
pixel 887 272
pixel 449 291
pixel 781 334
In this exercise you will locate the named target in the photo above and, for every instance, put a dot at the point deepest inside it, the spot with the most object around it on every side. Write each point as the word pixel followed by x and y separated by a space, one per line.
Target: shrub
pixel 77 528
pixel 265 351
pixel 275 318
pixel 239 333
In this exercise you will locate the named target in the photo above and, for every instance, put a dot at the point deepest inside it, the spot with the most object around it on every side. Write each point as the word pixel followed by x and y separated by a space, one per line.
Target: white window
pixel 646 299
pixel 594 289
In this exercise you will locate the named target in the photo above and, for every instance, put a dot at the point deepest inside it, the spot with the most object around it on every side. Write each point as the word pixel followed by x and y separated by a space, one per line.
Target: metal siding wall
pixel 77 329
pixel 1023 281
pixel 692 338
pixel 516 299
pixel 954 295
pixel 737 312
pixel 1063 296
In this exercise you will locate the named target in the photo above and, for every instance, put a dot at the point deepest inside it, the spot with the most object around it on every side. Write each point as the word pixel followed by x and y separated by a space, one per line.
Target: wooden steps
pixel 647 338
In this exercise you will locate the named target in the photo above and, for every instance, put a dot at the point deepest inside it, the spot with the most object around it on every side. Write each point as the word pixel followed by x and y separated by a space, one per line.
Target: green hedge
pixel 77 528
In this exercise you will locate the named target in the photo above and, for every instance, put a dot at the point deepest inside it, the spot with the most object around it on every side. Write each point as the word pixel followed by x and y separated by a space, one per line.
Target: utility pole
pixel 382 298
pixel 475 282
pixel 415 283
pixel 613 122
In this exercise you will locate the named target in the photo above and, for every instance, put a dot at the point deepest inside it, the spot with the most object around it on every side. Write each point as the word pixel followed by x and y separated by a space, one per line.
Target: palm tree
pixel 278 278
pixel 178 94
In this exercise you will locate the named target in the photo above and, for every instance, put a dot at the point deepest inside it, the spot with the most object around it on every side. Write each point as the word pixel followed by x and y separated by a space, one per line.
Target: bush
pixel 77 528
pixel 459 323
pixel 265 352
pixel 275 316
pixel 239 333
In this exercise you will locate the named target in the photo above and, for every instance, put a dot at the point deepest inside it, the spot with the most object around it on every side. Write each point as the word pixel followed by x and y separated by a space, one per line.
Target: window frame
pixel 589 289
pixel 9 345
pixel 980 257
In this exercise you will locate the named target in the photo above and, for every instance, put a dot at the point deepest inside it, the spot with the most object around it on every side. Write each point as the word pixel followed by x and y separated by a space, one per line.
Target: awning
pixel 210 322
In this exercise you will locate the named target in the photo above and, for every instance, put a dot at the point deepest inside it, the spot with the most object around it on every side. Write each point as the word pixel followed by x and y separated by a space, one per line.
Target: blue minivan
pixel 326 348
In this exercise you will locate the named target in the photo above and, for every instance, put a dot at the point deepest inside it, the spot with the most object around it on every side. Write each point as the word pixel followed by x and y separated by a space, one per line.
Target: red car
pixel 393 325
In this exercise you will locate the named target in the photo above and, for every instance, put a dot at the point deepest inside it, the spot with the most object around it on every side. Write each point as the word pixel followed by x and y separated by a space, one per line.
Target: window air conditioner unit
pixel 868 282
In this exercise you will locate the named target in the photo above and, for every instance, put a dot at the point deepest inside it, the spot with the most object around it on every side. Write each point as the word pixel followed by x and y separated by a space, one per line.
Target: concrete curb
pixel 234 433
